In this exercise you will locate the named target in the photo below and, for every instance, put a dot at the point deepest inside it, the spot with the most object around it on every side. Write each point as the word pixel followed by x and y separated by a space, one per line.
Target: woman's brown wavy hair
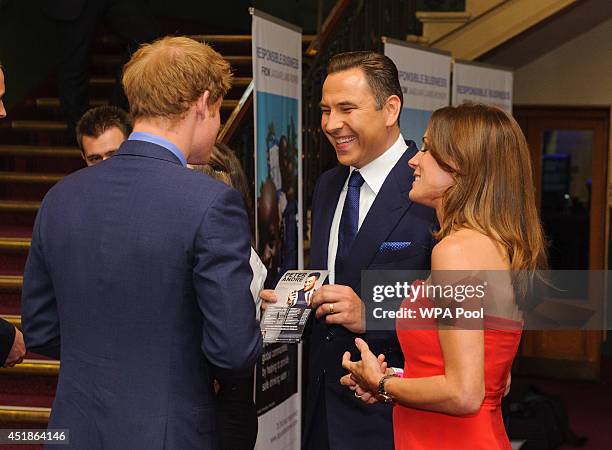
pixel 486 151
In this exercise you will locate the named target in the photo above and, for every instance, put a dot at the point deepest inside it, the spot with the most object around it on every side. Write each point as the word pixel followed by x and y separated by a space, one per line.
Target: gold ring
pixel 330 308
pixel 357 395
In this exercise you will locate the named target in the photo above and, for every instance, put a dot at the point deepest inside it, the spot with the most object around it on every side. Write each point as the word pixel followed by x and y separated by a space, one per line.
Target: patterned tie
pixel 349 221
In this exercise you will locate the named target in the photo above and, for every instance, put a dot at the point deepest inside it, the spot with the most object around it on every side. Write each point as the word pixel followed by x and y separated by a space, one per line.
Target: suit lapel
pixel 327 200
pixel 390 205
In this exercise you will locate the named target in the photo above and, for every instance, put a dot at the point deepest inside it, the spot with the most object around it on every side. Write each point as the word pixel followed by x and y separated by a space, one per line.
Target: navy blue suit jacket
pixel 139 275
pixel 391 218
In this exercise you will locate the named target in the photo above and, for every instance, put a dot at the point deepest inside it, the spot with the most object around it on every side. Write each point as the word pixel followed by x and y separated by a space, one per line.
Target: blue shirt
pixel 153 139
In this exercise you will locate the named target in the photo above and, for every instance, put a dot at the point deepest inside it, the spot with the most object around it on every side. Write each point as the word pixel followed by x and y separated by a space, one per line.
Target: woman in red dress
pixel 474 169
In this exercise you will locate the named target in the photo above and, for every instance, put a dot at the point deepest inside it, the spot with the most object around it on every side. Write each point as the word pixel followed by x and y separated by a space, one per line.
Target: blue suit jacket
pixel 139 272
pixel 391 218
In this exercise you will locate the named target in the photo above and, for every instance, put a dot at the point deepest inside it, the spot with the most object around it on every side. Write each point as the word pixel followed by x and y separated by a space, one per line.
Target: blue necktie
pixel 349 221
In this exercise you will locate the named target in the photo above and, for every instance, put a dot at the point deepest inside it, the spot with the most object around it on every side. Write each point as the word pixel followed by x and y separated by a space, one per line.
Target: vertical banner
pixel 481 83
pixel 277 72
pixel 424 76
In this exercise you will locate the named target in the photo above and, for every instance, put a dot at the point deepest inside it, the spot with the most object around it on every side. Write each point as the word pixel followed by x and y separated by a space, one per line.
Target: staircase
pixel 484 25
pixel 34 155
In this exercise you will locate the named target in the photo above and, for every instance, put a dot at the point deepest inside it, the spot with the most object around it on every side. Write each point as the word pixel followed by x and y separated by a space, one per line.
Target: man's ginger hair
pixel 165 78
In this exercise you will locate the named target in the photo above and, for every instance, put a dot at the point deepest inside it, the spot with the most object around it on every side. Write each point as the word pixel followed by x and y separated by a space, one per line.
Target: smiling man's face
pixel 351 120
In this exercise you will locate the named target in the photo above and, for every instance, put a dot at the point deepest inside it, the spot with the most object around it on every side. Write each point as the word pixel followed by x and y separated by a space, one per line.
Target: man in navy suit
pixel 361 219
pixel 138 273
pixel 12 349
pixel 76 23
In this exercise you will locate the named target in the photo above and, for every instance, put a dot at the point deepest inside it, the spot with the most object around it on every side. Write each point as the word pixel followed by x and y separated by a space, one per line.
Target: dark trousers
pixel 130 20
pixel 316 436
pixel 236 415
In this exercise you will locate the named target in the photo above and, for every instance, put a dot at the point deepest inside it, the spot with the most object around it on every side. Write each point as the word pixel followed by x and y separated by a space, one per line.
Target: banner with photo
pixel 277 74
pixel 481 83
pixel 424 76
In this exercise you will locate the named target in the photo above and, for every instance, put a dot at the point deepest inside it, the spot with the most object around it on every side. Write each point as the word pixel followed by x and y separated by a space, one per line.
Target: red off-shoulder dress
pixel 417 429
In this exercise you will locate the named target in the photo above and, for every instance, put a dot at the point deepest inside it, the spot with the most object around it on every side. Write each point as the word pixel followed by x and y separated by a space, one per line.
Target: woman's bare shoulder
pixel 467 249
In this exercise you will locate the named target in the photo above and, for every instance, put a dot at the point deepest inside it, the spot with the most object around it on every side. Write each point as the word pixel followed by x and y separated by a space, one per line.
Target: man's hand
pixel 340 306
pixel 17 352
pixel 267 298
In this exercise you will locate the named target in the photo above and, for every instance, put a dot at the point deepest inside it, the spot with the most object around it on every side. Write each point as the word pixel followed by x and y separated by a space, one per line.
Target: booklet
pixel 285 320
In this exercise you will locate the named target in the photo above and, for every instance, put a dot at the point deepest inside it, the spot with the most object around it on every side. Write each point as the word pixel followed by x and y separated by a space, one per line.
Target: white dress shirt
pixel 374 173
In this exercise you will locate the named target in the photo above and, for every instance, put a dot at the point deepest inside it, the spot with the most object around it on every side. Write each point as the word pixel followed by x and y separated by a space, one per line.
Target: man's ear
pixel 392 108
pixel 202 106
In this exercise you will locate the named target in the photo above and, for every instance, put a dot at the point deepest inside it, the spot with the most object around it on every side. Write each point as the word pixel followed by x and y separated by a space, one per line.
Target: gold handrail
pixel 11 283
pixel 24 414
pixel 43 367
pixel 13 319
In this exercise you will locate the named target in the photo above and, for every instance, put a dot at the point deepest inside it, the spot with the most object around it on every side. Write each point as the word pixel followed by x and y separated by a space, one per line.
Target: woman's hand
pixel 365 374
pixel 363 395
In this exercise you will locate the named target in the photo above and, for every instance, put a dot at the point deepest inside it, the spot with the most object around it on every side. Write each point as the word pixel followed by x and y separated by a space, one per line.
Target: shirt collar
pixel 375 172
pixel 158 140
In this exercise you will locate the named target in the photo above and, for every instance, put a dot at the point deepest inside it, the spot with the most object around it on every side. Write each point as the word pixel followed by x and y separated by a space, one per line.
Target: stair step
pixel 10 292
pixel 115 60
pixel 109 39
pixel 222 38
pixel 38 125
pixel 110 81
pixel 18 214
pixel 438 24
pixel 54 102
pixel 11 283
pixel 14 253
pixel 12 319
pixel 40 159
pixel 34 178
pixel 26 186
pixel 14 244
pixel 237 38
pixel 417 39
pixel 35 151
pixel 24 414
pixel 19 206
pixel 47 367
pixel 241 81
pixel 102 81
pixel 239 60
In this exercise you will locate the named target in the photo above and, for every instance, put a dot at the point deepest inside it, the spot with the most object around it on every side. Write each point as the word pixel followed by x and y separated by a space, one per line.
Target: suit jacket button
pixel 329 337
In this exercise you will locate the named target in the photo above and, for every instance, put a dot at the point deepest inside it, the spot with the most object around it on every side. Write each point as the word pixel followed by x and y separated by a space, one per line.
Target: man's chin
pixel 345 159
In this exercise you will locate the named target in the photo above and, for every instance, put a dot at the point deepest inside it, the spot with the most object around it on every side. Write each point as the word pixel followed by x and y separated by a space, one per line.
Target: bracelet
pixel 382 393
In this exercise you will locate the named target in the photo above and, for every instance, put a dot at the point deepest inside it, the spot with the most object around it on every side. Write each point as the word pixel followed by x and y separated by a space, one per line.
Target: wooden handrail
pixel 330 23
pixel 237 114
pixel 315 44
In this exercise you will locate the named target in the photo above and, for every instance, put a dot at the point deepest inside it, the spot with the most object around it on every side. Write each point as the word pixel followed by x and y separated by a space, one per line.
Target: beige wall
pixel 577 73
